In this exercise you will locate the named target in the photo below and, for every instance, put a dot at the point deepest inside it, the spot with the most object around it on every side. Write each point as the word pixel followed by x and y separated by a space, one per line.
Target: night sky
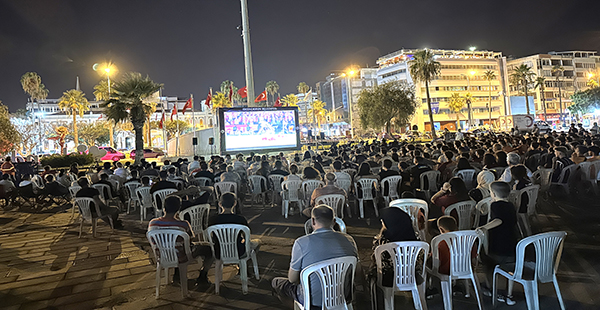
pixel 191 45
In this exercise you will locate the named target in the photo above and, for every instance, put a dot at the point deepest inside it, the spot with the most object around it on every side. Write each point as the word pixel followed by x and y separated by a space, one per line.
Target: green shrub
pixel 61 161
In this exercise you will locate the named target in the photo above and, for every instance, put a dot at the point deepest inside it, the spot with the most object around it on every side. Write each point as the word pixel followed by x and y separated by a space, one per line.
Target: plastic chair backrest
pixel 131 188
pixel 179 183
pixel 309 229
pixel 309 186
pixel 202 181
pixel 532 193
pixel 335 201
pixel 404 257
pixel 482 208
pixel 227 235
pixel 548 249
pixel 596 169
pixel 366 186
pixel 566 174
pixel 164 241
pixel 468 176
pixel 73 190
pixel 391 183
pixel 115 181
pixel 255 184
pixel 143 194
pixel 465 211
pixel 225 187
pixel 430 180
pixel 497 171
pixel 543 177
pixel 292 188
pixel 105 191
pixel 198 217
pixel 332 275
pixel 276 180
pixel 587 170
pixel 37 181
pixel 85 207
pixel 460 244
pixel 344 182
pixel 161 194
pixel 351 172
pixel 412 206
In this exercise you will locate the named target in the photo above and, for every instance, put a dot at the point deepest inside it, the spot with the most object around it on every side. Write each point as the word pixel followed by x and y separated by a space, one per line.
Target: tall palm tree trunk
pixel 526 99
pixel 543 97
pixel 490 106
pixel 560 115
pixel 433 136
pixel 75 130
pixel 138 127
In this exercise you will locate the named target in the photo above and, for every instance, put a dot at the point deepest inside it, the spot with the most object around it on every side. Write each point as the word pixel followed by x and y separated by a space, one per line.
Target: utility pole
pixel 247 53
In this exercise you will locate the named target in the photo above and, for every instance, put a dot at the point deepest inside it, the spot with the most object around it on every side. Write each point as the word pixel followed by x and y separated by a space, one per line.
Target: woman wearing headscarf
pixel 484 179
pixel 396 226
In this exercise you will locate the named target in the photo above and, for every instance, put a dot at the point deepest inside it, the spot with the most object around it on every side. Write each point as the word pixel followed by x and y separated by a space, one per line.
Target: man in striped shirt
pixel 169 221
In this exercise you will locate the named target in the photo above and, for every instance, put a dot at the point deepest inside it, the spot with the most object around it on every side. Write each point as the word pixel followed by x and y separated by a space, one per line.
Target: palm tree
pixel 220 100
pixel 303 88
pixel 540 82
pixel 290 100
pixel 523 76
pixel 489 76
pixel 424 68
pixel 272 88
pixel 456 103
pixel 128 103
pixel 101 90
pixel 74 102
pixel 317 112
pixel 32 85
pixel 557 71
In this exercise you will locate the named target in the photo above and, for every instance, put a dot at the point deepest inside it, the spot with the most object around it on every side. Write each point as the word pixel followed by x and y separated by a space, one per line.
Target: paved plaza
pixel 44 265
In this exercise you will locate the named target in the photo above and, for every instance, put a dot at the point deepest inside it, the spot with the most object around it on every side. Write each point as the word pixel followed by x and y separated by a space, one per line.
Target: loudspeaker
pixel 322 136
pixel 194 141
pixel 211 141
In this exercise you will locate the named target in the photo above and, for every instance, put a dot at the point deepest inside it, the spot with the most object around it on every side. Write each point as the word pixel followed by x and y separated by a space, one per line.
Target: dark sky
pixel 191 45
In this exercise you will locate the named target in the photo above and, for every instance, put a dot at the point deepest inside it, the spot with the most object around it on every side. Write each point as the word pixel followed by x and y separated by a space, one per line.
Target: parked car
pixel 148 153
pixel 111 154
pixel 543 126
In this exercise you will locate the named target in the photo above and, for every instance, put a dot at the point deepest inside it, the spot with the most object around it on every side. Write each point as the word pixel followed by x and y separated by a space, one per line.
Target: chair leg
pixel 81 227
pixel 255 263
pixel 244 275
pixel 183 280
pixel 531 295
pixel 218 275
pixel 477 289
pixel 388 298
pixel 158 269
pixel 558 294
pixel 375 207
pixel 94 222
pixel 494 292
pixel 422 295
pixel 361 208
pixel 447 293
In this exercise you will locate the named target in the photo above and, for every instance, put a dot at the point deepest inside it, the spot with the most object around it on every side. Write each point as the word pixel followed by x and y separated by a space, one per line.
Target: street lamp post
pixel 110 127
pixel 468 99
pixel 350 74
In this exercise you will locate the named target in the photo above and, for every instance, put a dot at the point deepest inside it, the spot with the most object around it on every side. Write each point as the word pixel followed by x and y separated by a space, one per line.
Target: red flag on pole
pixel 162 120
pixel 174 112
pixel 243 92
pixel 261 97
pixel 208 99
pixel 188 105
pixel 277 103
pixel 231 92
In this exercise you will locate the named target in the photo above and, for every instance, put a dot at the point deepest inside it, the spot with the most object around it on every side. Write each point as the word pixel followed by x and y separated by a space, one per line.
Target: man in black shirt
pixel 163 183
pixel 204 173
pixel 90 192
pixel 387 170
pixel 104 180
pixel 416 171
pixel 279 169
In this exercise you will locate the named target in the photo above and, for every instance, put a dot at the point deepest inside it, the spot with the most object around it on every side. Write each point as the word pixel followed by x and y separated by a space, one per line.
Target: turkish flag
pixel 162 120
pixel 208 98
pixel 277 103
pixel 174 112
pixel 188 105
pixel 243 92
pixel 261 97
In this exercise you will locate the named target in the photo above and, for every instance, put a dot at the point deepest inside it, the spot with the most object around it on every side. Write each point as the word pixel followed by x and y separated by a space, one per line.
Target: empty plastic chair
pixel 258 187
pixel 543 177
pixel 145 199
pixel 130 190
pixel 85 204
pixel 404 258
pixel 332 275
pixel 275 180
pixel 548 249
pixel 73 191
pixel 164 247
pixel 291 190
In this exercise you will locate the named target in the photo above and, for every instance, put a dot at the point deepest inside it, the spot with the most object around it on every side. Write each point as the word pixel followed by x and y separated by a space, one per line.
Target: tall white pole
pixel 193 123
pixel 247 53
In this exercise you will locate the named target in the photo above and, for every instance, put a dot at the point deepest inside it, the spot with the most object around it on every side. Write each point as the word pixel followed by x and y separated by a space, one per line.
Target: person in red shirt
pixel 8 167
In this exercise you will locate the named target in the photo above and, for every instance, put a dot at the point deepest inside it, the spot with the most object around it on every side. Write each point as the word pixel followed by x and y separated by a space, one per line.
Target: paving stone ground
pixel 44 265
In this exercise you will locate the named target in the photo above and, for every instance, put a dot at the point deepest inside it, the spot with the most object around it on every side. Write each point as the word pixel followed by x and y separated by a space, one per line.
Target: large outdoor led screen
pixel 258 129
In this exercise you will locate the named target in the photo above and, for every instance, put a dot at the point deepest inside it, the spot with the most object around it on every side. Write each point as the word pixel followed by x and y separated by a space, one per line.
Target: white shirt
pixel 507 176
pixel 193 165
pixel 122 172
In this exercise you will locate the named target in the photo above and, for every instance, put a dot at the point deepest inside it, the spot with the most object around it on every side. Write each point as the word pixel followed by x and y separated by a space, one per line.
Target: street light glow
pixel 590 75
pixel 472 72
pixel 351 72
pixel 472 48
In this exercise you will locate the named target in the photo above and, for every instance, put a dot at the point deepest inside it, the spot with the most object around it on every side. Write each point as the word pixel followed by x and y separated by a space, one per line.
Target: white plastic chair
pixel 106 193
pixel 343 181
pixel 130 190
pixel 73 191
pixel 335 201
pixel 198 219
pixel 566 178
pixel 332 275
pixel 308 229
pixel 308 187
pixel 225 187
pixel 366 186
pixel 404 257
pixel 351 172
pixel 84 205
pixel 516 197
pixel 38 183
pixel 465 210
pixel 391 183
pixel 589 174
pixel 202 181
pixel 468 176
pixel 161 195
pixel 497 171
pixel 164 242
pixel 543 177
pixel 275 180
pixel 227 235
pixel 431 179
pixel 291 190
pixel 412 206
pixel 482 208
pixel 179 183
pixel 460 244
pixel 258 187
pixel 548 249
pixel 145 199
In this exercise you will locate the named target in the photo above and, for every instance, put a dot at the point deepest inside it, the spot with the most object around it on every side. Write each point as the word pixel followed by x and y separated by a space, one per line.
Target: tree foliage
pixel 220 100
pixel 289 100
pixel 129 103
pixel 303 88
pixel 75 103
pixel 272 88
pixel 94 133
pixel 9 136
pixel 32 85
pixel 522 77
pixel 317 113
pixel 424 68
pixel 584 101
pixel 171 127
pixel 383 103
pixel 101 90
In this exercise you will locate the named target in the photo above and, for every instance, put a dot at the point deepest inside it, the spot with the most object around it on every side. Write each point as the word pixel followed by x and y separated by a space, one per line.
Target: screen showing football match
pixel 258 129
